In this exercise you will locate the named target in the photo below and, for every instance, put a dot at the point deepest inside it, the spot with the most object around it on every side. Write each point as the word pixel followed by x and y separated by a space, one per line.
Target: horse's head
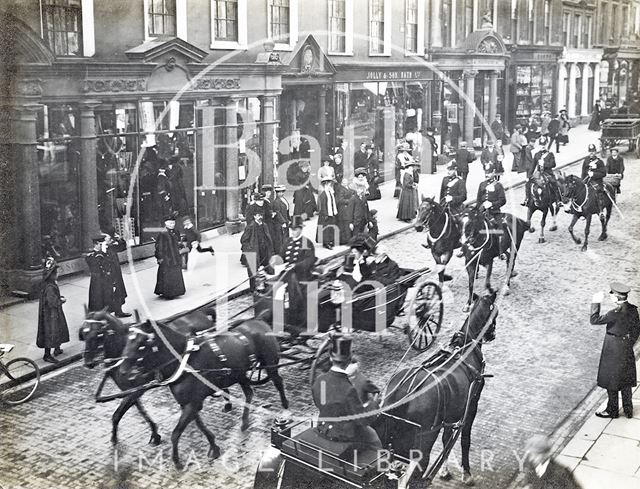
pixel 473 225
pixel 569 187
pixel 427 207
pixel 140 347
pixel 98 326
pixel 481 323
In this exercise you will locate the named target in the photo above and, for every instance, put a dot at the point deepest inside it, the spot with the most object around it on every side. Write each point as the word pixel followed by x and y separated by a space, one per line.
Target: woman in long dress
pixel 594 124
pixel 408 203
pixel 373 176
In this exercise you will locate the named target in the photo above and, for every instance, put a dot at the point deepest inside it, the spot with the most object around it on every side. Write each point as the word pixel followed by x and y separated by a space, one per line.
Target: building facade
pixel 113 105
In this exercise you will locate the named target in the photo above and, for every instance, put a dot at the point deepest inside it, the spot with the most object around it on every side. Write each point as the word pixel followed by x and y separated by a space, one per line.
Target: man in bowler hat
pixel 101 283
pixel 617 370
pixel 336 397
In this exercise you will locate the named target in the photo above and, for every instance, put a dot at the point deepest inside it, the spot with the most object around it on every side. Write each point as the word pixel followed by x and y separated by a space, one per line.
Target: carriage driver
pixel 544 162
pixel 335 396
pixel 491 196
pixel 453 191
pixel 593 171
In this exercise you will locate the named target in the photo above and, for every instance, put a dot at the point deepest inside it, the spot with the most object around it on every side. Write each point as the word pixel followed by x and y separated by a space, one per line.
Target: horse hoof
pixel 578 241
pixel 447 278
pixel 584 248
pixel 178 465
pixel 227 407
pixel 466 308
pixel 506 290
pixel 285 404
pixel 602 237
pixel 244 426
pixel 532 229
pixel 553 228
pixel 114 440
pixel 214 452
pixel 468 480
pixel 155 440
pixel 445 475
pixel 542 240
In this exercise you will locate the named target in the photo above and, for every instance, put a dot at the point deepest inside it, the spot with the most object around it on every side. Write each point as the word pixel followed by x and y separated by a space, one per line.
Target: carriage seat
pixel 336 456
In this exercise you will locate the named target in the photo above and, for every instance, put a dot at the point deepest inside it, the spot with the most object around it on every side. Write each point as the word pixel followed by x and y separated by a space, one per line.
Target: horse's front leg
pixel 248 395
pixel 529 216
pixel 155 436
pixel 188 414
pixel 487 281
pixel 554 208
pixel 603 224
pixel 471 267
pixel 117 415
pixel 574 219
pixel 543 223
pixel 465 437
pixel 587 229
pixel 447 433
pixel 442 260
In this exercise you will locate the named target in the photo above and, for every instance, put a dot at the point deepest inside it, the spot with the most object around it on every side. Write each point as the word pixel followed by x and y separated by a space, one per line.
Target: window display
pixel 58 150
pixel 533 91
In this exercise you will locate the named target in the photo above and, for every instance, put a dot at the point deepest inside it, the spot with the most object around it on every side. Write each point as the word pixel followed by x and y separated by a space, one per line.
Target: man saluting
pixel 617 370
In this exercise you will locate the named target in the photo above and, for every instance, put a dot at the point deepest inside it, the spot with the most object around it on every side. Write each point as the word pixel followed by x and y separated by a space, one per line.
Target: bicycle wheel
pixel 23 379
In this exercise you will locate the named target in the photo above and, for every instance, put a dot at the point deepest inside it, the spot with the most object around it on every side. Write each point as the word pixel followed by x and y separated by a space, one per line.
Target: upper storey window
pixel 162 18
pixel 62 25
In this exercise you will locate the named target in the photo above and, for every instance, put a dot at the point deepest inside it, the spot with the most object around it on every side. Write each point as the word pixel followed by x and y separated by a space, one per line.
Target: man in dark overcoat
pixel 169 283
pixel 453 191
pixel 463 158
pixel 360 158
pixel 299 253
pixel 101 282
pixel 617 370
pixel 281 218
pixel 343 199
pixel 327 215
pixel 257 247
pixel 335 396
pixel 615 167
pixel 304 202
pixel 115 244
pixel 52 323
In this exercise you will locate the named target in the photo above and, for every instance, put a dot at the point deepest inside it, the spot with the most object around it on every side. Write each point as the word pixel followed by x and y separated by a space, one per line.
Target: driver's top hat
pixel 341 348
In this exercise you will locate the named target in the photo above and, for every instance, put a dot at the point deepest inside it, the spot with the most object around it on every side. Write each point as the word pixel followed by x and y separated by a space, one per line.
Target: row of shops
pixel 94 144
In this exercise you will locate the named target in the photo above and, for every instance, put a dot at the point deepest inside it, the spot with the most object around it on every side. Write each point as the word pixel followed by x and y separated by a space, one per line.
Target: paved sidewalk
pixel 208 276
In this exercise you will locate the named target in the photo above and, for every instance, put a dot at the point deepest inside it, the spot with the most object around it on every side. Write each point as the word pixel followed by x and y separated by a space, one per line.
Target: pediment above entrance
pixel 161 51
pixel 484 41
pixel 307 59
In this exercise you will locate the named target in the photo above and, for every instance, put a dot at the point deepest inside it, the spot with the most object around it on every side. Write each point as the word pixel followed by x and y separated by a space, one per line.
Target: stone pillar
pixel 267 135
pixel 27 186
pixel 231 154
pixel 469 105
pixel 596 82
pixel 493 95
pixel 571 109
pixel 322 126
pixel 585 109
pixel 88 176
pixel 436 23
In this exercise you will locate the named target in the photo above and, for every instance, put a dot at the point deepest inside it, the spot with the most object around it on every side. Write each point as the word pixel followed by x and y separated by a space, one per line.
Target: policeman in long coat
pixel 169 282
pixel 300 254
pixel 617 370
pixel 336 397
pixel 101 282
pixel 453 191
pixel 115 244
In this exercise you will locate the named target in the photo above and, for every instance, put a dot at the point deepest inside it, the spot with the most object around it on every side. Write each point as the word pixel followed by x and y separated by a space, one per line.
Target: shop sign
pixel 216 84
pixel 551 57
pixel 385 75
pixel 114 85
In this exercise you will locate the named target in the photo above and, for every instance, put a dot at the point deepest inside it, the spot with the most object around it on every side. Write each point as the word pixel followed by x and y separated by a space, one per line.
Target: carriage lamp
pixel 337 292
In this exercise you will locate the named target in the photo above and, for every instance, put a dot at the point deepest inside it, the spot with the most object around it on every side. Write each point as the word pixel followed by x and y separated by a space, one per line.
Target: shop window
pixel 534 91
pixel 376 26
pixel 279 20
pixel 58 150
pixel 586 32
pixel 446 22
pixel 577 25
pixel 162 17
pixel 62 26
pixel 411 26
pixel 566 28
pixel 337 26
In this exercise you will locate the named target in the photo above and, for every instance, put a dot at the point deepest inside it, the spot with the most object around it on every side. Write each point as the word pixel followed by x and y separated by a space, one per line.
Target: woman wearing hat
pixel 408 203
pixel 169 282
pixel 617 370
pixel 373 170
pixel 282 217
pixel 402 159
pixel 327 214
pixel 563 133
pixel 101 284
pixel 52 324
pixel 358 210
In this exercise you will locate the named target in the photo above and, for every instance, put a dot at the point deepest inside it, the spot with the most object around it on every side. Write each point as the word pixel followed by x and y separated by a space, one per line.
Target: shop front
pixel 533 76
pixel 623 75
pixel 113 148
pixel 578 85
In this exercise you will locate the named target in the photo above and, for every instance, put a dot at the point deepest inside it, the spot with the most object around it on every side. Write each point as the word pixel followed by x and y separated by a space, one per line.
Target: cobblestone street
pixel 544 362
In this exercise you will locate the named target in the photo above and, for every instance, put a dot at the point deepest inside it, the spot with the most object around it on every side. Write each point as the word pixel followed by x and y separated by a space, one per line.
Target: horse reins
pixel 444 228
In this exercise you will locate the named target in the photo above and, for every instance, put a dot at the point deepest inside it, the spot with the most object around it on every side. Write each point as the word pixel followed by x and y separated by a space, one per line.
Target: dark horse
pixel 443 232
pixel 582 200
pixel 104 339
pixel 214 361
pixel 484 239
pixel 443 392
pixel 542 199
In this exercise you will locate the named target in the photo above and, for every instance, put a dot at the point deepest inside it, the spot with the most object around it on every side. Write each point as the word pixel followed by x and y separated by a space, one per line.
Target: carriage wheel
pixel 258 375
pixel 425 316
pixel 321 362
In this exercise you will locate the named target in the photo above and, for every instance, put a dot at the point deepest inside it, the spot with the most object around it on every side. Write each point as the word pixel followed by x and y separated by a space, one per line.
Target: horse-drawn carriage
pixel 368 306
pixel 625 127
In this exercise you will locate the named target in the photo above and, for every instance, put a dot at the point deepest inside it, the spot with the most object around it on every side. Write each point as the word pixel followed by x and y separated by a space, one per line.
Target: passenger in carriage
pixel 336 397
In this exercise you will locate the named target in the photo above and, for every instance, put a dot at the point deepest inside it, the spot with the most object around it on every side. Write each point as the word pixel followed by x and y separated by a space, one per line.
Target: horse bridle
pixel 486 229
pixel 444 228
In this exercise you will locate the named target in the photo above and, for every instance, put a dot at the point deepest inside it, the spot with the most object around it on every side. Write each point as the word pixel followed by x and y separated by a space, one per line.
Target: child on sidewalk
pixel 52 324
pixel 191 239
